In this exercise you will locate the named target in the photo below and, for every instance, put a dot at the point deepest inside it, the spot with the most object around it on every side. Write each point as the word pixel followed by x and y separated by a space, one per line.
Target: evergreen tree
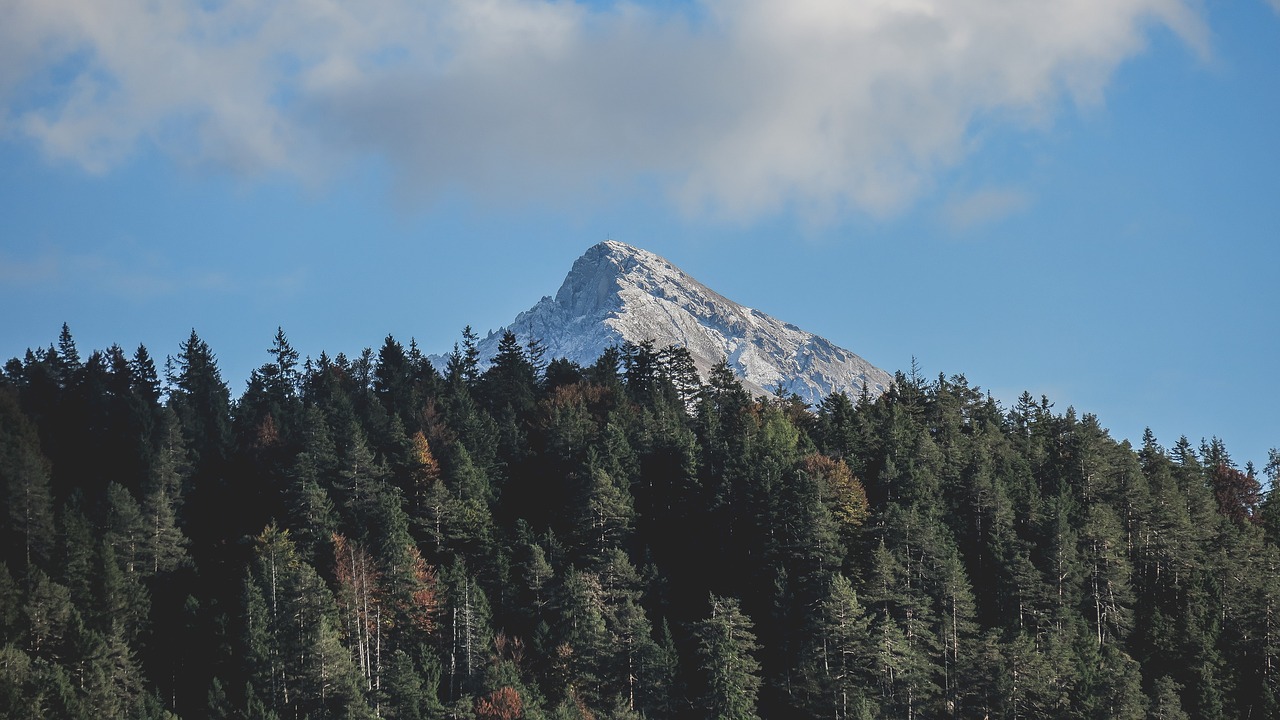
pixel 202 401
pixel 1006 564
pixel 49 614
pixel 1108 595
pixel 125 564
pixel 292 641
pixel 24 477
pixel 411 690
pixel 393 382
pixel 842 654
pixel 164 548
pixel 511 379
pixel 1165 701
pixel 464 630
pixel 604 517
pixel 581 636
pixel 726 645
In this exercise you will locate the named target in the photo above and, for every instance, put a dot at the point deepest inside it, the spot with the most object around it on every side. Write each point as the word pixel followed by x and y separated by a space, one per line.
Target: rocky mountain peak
pixel 617 293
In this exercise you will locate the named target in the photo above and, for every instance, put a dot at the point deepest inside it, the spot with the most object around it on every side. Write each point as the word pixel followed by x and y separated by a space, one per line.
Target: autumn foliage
pixel 1238 494
pixel 843 493
pixel 501 704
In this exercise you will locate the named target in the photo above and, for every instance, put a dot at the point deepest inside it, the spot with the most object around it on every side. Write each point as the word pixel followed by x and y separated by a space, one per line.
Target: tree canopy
pixel 365 536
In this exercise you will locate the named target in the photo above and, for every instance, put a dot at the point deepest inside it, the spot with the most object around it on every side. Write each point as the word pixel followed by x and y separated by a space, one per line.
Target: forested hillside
pixel 366 537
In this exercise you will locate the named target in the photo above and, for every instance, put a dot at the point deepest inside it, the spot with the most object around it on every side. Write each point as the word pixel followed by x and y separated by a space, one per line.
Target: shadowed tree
pixel 24 479
pixel 202 401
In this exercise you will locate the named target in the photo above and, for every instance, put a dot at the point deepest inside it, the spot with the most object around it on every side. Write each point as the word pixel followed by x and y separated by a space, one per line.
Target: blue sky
pixel 1078 199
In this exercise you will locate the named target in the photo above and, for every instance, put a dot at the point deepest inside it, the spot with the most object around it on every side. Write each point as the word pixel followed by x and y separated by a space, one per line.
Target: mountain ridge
pixel 617 293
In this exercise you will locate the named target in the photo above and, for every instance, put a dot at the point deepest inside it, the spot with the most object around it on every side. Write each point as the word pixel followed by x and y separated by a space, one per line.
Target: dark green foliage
pixel 202 401
pixel 840 657
pixel 24 480
pixel 726 647
pixel 539 539
pixel 465 631
pixel 292 645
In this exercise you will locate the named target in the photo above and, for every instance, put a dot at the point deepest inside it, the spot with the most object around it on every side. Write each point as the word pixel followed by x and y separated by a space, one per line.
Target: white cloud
pixel 739 108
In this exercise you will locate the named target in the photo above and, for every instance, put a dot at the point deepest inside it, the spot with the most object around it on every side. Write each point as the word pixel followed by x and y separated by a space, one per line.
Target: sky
pixel 1075 198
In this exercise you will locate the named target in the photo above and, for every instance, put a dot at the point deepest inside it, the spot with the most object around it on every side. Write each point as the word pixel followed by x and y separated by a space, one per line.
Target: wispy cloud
pixel 52 267
pixel 738 108
pixel 135 277
pixel 982 207
pixel 24 272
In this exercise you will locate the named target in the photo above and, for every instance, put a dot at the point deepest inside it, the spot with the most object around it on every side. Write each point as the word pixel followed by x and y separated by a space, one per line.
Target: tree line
pixel 369 537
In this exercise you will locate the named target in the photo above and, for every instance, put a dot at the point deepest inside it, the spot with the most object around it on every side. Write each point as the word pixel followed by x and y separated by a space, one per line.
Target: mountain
pixel 617 293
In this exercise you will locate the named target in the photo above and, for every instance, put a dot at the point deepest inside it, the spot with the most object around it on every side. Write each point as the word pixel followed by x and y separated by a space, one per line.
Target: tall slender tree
pixel 726 647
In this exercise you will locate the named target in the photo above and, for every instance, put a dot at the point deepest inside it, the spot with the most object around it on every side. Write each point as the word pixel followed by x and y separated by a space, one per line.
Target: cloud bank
pixel 737 108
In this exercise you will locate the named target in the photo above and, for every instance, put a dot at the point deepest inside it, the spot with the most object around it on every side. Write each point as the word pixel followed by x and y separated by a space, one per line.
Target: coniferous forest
pixel 521 537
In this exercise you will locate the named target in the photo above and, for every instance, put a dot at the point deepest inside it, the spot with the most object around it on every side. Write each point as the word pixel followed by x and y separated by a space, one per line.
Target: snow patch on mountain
pixel 617 293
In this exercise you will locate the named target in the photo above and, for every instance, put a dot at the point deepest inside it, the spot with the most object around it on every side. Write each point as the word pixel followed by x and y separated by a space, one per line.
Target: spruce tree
pixel 202 401
pixel 292 641
pixel 25 481
pixel 730 671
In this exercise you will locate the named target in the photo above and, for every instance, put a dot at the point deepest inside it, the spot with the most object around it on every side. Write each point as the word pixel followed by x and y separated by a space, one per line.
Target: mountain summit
pixel 616 293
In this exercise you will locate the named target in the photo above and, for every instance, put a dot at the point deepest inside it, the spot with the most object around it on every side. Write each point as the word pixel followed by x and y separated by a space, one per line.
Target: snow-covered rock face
pixel 617 293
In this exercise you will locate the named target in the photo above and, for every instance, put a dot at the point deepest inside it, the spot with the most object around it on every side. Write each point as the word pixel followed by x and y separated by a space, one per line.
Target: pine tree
pixel 360 478
pixel 582 640
pixel 957 630
pixel 16 678
pixel 10 607
pixel 164 548
pixel 69 364
pixel 292 643
pixel 464 629
pixel 202 401
pixel 1034 684
pixel 393 379
pixel 511 379
pixel 458 515
pixel 905 645
pixel 604 517
pixel 1268 515
pixel 25 481
pixel 640 672
pixel 726 647
pixel 843 653
pixel 1108 594
pixel 1117 688
pixel 48 612
pixel 411 691
pixel 1165 701
pixel 123 597
pixel 677 370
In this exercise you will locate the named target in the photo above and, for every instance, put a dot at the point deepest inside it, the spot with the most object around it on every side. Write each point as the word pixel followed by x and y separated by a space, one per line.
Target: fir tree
pixel 726 647
pixel 24 478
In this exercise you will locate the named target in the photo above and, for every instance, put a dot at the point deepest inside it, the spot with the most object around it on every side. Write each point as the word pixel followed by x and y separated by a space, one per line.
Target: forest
pixel 524 537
